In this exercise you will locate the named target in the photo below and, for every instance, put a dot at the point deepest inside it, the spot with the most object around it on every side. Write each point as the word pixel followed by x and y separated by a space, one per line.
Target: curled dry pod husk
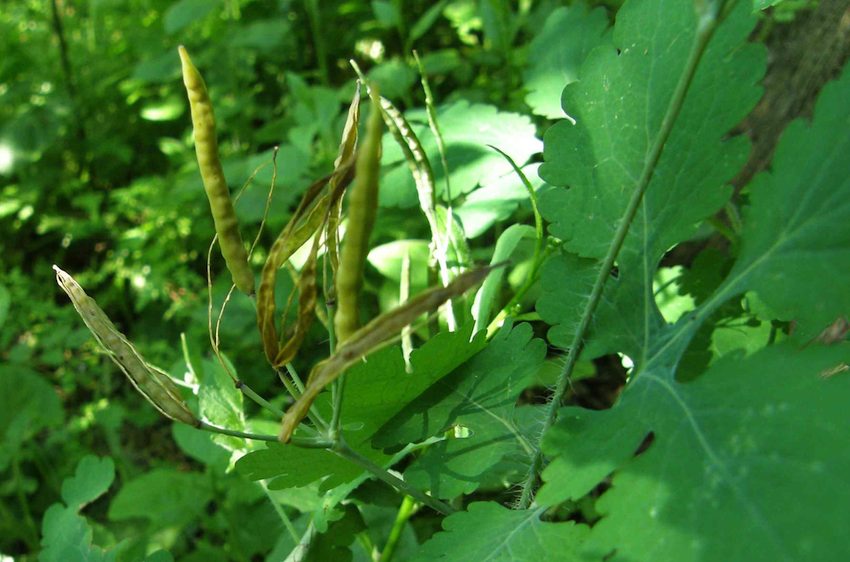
pixel 215 186
pixel 307 293
pixel 370 337
pixel 154 384
pixel 346 153
pixel 362 210
pixel 317 211
pixel 308 220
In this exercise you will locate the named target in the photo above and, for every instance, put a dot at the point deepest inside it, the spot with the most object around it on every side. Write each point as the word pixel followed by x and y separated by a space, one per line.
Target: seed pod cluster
pixel 212 174
pixel 308 221
pixel 317 212
pixel 154 384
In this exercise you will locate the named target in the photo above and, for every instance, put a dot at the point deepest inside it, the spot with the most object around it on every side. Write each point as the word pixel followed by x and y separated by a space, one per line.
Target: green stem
pixel 539 247
pixel 302 549
pixel 246 390
pixel 313 442
pixel 284 518
pixel 403 297
pixel 318 42
pixel 337 391
pixel 433 124
pixel 299 384
pixel 295 387
pixel 338 385
pixel 366 543
pixel 734 218
pixel 29 523
pixel 706 25
pixel 344 451
pixel 725 231
pixel 407 508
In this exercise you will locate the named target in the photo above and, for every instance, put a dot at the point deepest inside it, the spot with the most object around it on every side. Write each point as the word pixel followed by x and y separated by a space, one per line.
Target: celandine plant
pixel 705 454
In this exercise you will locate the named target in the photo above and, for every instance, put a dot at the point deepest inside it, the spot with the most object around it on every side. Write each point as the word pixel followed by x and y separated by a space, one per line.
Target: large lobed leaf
pixel 67 535
pixel 746 461
pixel 796 241
pixel 619 103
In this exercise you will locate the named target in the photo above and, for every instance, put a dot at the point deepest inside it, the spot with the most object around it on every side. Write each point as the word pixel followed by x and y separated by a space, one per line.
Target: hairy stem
pixel 708 21
pixel 246 390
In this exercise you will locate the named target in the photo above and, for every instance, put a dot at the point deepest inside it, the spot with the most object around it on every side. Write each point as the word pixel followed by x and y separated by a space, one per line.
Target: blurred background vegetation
pixel 97 174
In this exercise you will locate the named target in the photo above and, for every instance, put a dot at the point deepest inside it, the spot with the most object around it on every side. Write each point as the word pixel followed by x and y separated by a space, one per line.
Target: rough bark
pixel 803 56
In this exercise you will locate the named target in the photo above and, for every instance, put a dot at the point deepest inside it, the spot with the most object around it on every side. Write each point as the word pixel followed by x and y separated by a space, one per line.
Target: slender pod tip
pixel 61 276
pixel 191 77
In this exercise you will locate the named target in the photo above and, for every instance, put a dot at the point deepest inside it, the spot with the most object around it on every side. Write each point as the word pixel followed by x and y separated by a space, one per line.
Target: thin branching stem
pixel 295 388
pixel 339 385
pixel 344 451
pixel 313 442
pixel 246 390
pixel 539 248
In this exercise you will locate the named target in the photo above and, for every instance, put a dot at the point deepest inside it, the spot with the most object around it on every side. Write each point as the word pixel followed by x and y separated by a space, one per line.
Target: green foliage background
pixel 709 367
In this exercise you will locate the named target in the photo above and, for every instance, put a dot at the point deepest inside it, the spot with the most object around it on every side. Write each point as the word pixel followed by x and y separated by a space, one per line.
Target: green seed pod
pixel 221 205
pixel 362 210
pixel 154 385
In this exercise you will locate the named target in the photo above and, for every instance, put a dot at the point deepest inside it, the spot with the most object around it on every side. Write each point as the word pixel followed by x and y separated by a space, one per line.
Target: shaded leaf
pixel 67 537
pixel 796 239
pixel 163 496
pixel 91 480
pixel 291 467
pixel 185 12
pixel 477 403
pixel 556 54
pixel 467 130
pixel 27 405
pixel 748 449
pixel 379 388
pixel 488 531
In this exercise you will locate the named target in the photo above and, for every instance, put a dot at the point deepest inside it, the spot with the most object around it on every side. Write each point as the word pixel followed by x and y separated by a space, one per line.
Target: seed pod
pixel 221 205
pixel 307 292
pixel 362 210
pixel 309 218
pixel 346 153
pixel 371 336
pixel 154 384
